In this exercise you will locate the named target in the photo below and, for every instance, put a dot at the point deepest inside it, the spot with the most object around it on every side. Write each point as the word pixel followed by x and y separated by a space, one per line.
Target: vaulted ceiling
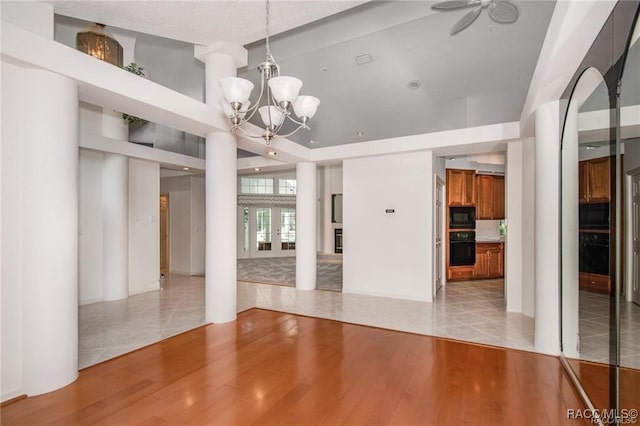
pixel 417 79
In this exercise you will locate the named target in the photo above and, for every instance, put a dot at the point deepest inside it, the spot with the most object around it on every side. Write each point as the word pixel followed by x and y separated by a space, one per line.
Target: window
pixel 253 185
pixel 287 187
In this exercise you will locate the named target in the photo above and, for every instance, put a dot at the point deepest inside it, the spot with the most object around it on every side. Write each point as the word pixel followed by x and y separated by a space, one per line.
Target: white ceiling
pixel 202 22
pixel 480 76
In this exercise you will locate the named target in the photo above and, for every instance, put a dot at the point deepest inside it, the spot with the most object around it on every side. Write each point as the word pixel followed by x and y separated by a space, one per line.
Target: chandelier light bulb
pixel 271 116
pixel 236 90
pixel 306 106
pixel 285 90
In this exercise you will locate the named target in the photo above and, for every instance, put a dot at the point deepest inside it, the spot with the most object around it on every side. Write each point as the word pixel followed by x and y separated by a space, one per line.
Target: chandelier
pixel 281 95
pixel 97 42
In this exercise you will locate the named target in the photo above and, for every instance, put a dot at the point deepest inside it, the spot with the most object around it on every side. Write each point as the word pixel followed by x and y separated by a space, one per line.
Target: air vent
pixel 363 59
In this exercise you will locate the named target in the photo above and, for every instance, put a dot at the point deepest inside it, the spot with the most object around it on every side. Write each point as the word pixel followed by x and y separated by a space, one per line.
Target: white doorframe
pixel 439 257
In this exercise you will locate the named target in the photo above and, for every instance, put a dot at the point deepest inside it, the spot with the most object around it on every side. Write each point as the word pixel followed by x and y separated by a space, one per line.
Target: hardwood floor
pixel 275 368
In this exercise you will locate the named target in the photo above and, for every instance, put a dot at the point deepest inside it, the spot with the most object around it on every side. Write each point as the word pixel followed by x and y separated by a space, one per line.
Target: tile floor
pixel 594 330
pixel 471 311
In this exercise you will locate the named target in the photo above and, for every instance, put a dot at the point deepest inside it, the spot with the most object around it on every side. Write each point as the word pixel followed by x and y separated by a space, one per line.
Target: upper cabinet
pixel 490 203
pixel 461 188
pixel 594 184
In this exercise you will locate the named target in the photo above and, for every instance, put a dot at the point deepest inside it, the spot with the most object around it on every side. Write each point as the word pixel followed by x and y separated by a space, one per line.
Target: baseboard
pixel 153 285
pixel 90 301
pixel 11 397
pixel 388 295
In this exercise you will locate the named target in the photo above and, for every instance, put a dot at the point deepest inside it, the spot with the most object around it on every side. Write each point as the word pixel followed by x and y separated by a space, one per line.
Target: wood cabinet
pixel 594 282
pixel 458 273
pixel 490 197
pixel 489 260
pixel 594 180
pixel 461 187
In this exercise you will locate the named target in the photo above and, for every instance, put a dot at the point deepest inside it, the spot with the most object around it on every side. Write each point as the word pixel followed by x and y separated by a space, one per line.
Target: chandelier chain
pixel 267 16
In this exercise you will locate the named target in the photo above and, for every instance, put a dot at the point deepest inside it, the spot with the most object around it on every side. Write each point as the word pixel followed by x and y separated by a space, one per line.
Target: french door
pixel 266 231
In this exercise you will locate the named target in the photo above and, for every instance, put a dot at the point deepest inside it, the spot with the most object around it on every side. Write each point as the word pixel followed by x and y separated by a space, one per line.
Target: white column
pixel 50 247
pixel 569 301
pixel 222 60
pixel 306 256
pixel 547 229
pixel 115 211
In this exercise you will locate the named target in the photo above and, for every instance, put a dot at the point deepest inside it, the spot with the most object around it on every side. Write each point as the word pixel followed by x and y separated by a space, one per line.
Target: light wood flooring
pixel 276 368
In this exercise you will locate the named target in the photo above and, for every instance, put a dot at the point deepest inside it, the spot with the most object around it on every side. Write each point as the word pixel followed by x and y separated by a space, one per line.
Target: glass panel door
pixel 288 228
pixel 266 231
pixel 263 230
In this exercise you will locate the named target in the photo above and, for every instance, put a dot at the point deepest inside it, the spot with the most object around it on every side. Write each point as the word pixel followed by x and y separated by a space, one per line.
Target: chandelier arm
pixel 249 134
pixel 251 111
pixel 299 123
pixel 289 134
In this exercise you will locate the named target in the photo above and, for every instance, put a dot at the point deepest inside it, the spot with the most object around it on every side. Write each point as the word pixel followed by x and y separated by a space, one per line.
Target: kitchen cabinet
pixel 461 188
pixel 594 180
pixel 489 260
pixel 490 197
pixel 458 273
pixel 594 282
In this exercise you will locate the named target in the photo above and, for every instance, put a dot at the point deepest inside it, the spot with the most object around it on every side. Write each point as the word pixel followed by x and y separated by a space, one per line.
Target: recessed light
pixel 590 147
pixel 359 133
pixel 185 168
pixel 414 84
pixel 312 141
pixel 272 153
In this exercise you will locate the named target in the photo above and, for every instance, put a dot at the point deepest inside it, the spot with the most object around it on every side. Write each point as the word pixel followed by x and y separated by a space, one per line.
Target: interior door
pixel 164 234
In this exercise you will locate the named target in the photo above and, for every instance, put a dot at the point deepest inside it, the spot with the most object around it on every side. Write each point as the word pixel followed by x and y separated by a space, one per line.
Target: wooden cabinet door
pixel 599 180
pixel 498 197
pixel 583 181
pixel 481 268
pixel 469 188
pixel 495 264
pixel 484 205
pixel 455 184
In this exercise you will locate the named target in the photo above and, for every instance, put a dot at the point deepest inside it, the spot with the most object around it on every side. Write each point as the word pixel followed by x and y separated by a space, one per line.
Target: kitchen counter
pixel 482 239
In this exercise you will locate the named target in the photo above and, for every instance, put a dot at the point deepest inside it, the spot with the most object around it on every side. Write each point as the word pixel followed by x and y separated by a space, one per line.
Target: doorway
pixel 164 234
pixel 266 231
pixel 439 232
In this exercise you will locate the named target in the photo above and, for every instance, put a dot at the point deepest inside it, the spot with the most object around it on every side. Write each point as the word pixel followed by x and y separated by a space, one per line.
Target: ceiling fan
pixel 501 11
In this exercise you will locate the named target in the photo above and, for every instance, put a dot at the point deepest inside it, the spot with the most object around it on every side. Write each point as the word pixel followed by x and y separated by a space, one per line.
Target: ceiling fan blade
pixel 454 4
pixel 503 12
pixel 466 20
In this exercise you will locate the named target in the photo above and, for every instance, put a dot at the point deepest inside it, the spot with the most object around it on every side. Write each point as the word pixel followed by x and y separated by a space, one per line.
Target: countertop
pixel 489 239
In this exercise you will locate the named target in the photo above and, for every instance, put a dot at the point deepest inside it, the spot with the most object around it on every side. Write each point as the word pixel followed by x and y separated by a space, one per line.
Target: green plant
pixel 137 70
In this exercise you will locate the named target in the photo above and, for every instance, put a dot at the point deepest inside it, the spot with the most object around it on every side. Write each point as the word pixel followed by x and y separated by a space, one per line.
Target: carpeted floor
pixel 282 271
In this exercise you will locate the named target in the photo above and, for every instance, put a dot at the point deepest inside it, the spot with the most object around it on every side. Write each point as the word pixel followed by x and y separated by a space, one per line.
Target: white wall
pixel 90 233
pixel 144 228
pixel 528 230
pixel 388 254
pixel 513 253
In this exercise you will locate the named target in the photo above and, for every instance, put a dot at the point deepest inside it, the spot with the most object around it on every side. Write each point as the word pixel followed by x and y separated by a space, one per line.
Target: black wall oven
pixel 594 216
pixel 593 253
pixel 462 248
pixel 462 218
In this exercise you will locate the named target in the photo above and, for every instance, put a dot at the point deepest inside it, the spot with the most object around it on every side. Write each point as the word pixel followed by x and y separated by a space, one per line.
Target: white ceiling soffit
pixel 202 22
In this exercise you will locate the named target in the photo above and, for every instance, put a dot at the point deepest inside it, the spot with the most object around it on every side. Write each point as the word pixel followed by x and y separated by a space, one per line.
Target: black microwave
pixel 462 217
pixel 594 216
